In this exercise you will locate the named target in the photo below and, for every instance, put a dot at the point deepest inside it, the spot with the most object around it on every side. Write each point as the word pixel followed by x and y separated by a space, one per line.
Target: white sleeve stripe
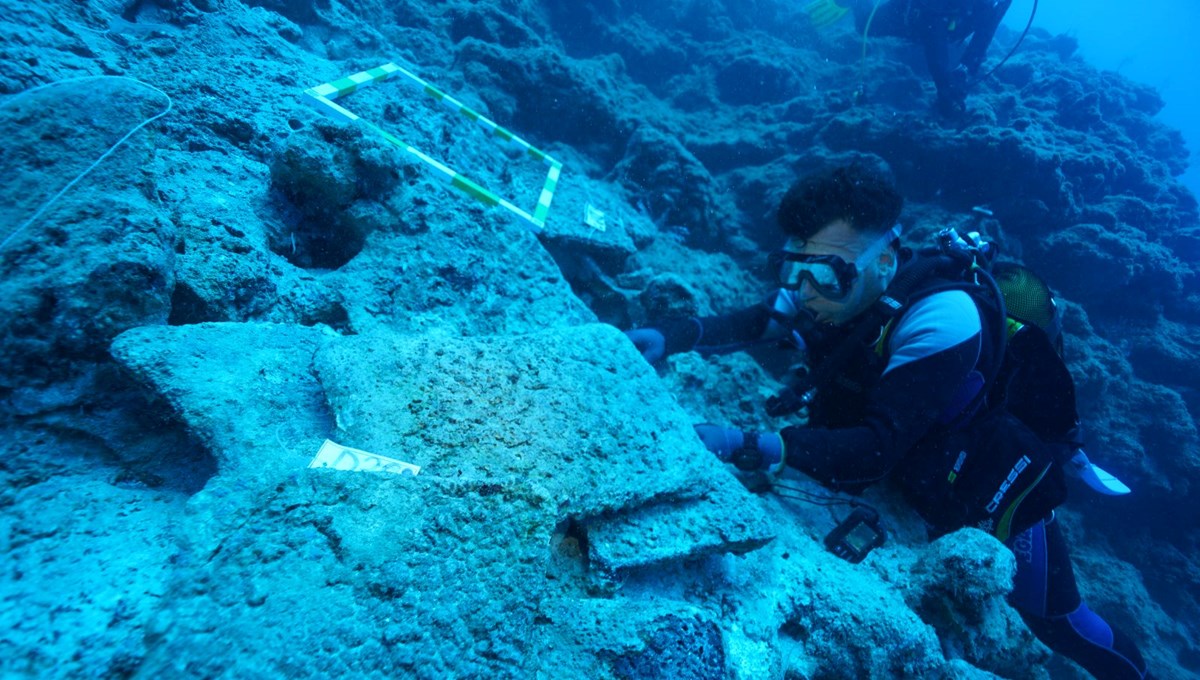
pixel 933 324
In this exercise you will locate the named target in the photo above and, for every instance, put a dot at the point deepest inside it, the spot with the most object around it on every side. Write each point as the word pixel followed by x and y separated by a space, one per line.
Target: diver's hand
pixel 952 94
pixel 650 342
pixel 747 451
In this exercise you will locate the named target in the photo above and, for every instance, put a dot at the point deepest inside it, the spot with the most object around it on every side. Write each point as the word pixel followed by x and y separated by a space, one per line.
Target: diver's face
pixel 838 238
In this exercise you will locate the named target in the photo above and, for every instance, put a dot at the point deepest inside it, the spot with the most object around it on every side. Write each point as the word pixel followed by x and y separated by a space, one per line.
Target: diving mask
pixel 829 275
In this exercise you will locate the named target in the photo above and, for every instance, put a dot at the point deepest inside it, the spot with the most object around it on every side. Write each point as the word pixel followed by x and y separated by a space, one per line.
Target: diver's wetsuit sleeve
pixel 932 351
pixel 730 332
pixel 715 334
pixel 986 23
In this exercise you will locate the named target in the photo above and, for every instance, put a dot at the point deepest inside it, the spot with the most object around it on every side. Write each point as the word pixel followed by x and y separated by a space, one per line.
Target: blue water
pixel 1151 41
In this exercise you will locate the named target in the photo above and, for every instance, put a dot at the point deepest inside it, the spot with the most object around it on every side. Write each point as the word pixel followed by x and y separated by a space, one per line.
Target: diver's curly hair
pixel 865 198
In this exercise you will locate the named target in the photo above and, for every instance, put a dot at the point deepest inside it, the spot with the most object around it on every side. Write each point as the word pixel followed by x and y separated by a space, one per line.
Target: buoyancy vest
pixel 994 462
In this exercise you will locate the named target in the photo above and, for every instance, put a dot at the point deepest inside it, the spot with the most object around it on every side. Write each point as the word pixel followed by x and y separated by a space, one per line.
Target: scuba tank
pixel 1029 299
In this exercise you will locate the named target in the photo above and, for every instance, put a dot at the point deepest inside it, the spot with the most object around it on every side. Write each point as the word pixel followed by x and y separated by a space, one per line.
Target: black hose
pixel 1011 52
pixel 1001 341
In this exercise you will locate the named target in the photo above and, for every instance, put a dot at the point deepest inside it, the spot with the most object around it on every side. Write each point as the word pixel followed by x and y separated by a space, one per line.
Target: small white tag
pixel 337 457
pixel 594 218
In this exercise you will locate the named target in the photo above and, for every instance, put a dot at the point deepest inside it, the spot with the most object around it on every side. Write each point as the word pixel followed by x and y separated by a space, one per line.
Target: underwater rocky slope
pixel 244 277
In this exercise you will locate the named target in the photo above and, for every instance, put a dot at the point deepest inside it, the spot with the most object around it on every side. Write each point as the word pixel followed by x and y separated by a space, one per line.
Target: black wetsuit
pixel 938 25
pixel 878 416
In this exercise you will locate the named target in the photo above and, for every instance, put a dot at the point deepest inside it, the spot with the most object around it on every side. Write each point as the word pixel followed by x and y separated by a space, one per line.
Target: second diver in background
pixel 954 34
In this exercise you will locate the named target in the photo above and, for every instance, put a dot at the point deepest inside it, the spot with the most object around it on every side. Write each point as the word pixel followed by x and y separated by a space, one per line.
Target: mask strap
pixel 878 246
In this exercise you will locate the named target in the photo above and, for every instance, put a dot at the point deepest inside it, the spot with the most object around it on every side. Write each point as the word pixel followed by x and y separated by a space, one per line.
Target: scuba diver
pixel 916 374
pixel 939 26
